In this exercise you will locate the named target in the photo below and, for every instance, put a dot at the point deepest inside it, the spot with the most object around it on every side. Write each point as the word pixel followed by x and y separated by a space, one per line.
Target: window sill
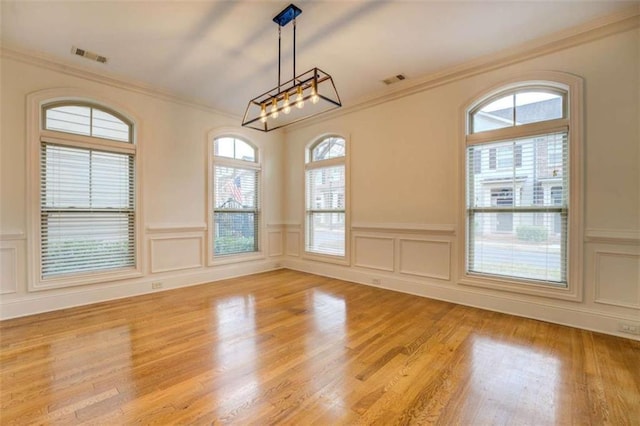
pixel 236 258
pixel 533 288
pixel 327 258
pixel 84 279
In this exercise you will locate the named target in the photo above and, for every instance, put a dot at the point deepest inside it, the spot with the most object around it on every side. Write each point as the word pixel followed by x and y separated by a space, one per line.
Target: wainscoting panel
pixel 8 267
pixel 617 278
pixel 374 252
pixel 174 253
pixel 425 258
pixel 274 240
pixel 293 243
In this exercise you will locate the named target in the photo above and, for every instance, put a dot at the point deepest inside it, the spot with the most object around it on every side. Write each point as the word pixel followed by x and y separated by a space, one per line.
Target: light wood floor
pixel 292 348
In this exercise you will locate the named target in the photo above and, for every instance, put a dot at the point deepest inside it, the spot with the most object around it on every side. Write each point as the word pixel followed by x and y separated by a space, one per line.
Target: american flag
pixel 234 187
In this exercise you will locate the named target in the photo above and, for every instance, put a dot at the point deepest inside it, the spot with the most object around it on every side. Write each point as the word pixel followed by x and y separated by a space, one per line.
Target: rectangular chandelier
pixel 305 95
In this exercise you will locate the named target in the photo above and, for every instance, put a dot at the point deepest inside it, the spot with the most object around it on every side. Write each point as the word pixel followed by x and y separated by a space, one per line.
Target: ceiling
pixel 222 53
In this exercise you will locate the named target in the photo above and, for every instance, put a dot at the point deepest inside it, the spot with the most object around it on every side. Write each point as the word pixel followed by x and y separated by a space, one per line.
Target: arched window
pixel 235 215
pixel 87 184
pixel 325 203
pixel 519 211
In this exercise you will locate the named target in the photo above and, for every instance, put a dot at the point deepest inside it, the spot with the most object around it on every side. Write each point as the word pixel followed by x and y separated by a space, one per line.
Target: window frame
pixel 212 162
pixel 573 113
pixel 310 164
pixel 38 136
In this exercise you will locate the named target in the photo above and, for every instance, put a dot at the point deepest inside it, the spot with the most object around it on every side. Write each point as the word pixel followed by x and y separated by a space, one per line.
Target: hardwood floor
pixel 291 348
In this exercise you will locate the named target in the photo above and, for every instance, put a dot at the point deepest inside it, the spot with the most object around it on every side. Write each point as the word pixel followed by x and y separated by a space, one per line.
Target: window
pixel 236 186
pixel 325 197
pixel 514 233
pixel 87 203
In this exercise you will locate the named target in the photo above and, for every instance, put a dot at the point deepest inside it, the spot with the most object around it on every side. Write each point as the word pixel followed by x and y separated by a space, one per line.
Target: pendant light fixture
pixel 305 95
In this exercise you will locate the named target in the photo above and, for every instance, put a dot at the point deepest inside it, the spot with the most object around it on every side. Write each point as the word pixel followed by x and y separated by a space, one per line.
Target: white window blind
pixel 87 213
pixel 236 201
pixel 518 215
pixel 325 210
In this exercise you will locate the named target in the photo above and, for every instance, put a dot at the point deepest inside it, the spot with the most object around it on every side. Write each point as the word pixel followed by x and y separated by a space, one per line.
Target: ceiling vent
pixel 89 55
pixel 394 79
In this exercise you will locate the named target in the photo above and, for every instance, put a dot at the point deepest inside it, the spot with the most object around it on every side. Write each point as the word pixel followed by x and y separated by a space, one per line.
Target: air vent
pixel 89 55
pixel 394 79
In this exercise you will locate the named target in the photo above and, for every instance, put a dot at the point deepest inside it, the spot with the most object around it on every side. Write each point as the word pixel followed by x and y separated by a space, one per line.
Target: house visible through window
pixel 236 208
pixel 87 191
pixel 517 209
pixel 325 197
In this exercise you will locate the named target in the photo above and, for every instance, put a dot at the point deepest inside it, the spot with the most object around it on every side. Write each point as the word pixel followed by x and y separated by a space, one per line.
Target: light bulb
pixel 314 94
pixel 274 109
pixel 263 113
pixel 286 107
pixel 299 99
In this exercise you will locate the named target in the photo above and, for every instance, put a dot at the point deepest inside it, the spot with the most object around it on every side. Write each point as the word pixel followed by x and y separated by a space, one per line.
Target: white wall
pixel 405 179
pixel 172 136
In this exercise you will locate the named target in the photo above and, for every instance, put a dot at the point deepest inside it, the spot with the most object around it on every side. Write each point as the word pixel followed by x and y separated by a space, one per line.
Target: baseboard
pixel 565 314
pixel 39 302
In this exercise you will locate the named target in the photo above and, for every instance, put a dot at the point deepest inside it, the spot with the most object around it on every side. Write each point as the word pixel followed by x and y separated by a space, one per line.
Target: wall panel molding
pixel 275 242
pixel 425 258
pixel 9 268
pixel 374 252
pixel 13 235
pixel 614 274
pixel 175 253
pixel 612 236
pixel 292 243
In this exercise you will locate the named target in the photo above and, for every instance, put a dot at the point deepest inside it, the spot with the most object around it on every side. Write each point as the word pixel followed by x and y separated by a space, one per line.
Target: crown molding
pixel 54 63
pixel 625 20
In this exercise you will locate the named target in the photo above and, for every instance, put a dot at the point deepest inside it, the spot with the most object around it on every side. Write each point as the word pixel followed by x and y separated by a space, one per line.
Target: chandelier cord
pixel 279 53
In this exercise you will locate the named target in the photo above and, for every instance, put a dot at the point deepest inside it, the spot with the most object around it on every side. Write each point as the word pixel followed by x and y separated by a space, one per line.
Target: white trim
pixel 558 312
pixel 575 258
pixel 162 228
pixel 414 228
pixel 612 236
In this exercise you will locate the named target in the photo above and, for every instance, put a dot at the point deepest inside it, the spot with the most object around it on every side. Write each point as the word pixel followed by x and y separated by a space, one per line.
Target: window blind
pixel 87 210
pixel 517 208
pixel 325 208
